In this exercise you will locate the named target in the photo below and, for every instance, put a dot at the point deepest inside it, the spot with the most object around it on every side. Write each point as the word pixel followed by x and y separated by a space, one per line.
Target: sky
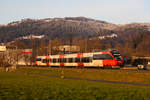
pixel 113 11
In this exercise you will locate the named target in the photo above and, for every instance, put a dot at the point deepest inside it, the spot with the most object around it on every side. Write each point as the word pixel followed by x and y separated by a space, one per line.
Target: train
pixel 105 59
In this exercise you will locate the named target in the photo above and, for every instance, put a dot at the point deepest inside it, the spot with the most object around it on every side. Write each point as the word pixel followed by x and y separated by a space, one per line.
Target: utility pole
pixel 86 43
pixel 16 47
pixel 17 55
pixel 51 46
pixel 70 42
pixel 71 30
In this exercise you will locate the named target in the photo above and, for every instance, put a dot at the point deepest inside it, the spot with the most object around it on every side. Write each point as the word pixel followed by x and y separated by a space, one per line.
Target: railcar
pixel 42 61
pixel 94 59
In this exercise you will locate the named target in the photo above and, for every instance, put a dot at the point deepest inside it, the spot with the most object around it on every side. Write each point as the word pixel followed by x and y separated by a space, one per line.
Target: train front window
pixel 115 52
pixel 117 58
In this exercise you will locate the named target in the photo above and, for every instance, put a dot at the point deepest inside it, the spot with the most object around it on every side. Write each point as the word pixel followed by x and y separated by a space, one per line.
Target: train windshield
pixel 115 53
pixel 117 58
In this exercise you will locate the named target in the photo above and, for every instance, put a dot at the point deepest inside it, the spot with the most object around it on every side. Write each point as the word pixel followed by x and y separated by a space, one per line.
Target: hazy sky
pixel 114 11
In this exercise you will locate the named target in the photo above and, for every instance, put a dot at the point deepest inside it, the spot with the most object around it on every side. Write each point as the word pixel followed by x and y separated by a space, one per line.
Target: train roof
pixel 74 54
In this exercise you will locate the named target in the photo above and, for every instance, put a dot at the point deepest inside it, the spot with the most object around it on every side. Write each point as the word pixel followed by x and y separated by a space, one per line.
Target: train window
pixel 102 57
pixel 70 60
pixel 45 60
pixel 54 60
pixel 58 60
pixel 64 60
pixel 77 59
pixel 109 57
pixel 38 59
pixel 61 60
pixel 98 57
pixel 85 59
pixel 90 59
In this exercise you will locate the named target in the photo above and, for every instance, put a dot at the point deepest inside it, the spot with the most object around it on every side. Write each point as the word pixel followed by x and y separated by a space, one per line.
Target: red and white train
pixel 95 59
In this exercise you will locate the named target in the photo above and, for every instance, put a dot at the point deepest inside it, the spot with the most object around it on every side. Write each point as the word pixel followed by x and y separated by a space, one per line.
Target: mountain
pixel 133 35
pixel 134 38
pixel 55 27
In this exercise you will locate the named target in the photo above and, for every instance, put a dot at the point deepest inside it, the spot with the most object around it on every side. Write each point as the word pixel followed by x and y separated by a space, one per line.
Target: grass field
pixel 29 84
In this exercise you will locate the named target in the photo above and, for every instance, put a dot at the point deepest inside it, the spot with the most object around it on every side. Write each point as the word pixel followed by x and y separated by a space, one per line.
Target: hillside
pixel 56 27
pixel 132 36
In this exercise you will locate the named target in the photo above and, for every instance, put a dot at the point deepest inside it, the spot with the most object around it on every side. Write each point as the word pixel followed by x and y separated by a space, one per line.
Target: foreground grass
pixel 21 85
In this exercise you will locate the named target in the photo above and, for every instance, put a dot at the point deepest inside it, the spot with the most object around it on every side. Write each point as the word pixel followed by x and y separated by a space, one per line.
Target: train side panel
pixel 96 59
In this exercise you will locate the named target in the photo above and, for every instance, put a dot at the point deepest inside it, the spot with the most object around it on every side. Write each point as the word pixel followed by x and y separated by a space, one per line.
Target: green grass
pixel 21 85
pixel 112 75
